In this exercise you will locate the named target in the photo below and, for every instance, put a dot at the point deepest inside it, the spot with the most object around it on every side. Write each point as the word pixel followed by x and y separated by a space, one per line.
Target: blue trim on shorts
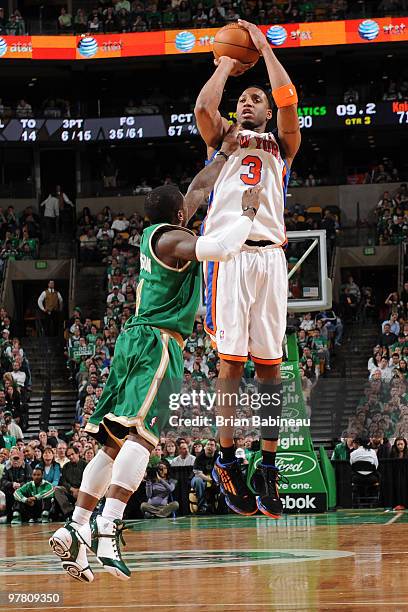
pixel 208 295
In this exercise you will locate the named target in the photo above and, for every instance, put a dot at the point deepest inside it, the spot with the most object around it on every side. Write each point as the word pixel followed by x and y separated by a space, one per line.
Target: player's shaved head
pixel 254 108
pixel 163 203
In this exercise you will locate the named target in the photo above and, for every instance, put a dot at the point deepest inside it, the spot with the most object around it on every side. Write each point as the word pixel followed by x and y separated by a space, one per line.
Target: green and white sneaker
pixel 16 520
pixel 103 537
pixel 66 544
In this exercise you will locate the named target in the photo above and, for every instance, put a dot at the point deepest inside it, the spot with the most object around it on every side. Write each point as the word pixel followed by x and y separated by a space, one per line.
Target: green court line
pixel 341 518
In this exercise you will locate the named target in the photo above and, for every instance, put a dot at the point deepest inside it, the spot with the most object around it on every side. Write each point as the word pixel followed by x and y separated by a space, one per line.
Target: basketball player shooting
pixel 148 362
pixel 247 295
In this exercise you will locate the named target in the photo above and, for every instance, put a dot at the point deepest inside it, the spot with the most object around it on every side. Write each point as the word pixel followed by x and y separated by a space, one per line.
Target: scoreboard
pixel 176 125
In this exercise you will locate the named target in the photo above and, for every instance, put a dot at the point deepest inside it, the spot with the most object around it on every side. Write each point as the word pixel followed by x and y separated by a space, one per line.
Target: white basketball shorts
pixel 246 301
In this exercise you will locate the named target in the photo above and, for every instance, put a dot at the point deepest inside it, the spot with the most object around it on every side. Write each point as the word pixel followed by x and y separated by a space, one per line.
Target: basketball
pixel 235 42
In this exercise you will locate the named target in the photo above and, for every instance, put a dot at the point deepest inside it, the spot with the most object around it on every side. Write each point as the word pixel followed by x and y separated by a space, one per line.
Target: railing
pixel 333 265
pixel 357 236
pixel 402 258
pixel 72 285
pixel 3 281
pixel 46 396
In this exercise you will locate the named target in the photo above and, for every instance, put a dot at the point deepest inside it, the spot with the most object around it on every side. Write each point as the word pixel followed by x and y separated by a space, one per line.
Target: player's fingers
pixel 243 23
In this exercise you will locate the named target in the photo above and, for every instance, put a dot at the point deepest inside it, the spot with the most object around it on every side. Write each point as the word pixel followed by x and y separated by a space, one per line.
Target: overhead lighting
pixel 318 60
pixel 34 78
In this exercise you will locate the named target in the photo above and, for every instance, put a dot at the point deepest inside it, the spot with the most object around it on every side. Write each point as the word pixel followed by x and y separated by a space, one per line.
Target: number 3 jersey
pixel 258 160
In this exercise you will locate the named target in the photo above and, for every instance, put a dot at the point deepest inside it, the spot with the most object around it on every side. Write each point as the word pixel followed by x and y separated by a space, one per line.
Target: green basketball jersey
pixel 166 297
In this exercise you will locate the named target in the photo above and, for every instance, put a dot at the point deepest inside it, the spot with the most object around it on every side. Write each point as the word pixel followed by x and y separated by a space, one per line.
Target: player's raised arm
pixel 182 245
pixel 210 123
pixel 203 183
pixel 283 92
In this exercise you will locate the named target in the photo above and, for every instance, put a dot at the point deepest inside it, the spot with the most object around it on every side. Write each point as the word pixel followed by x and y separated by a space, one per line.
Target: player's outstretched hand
pixel 236 68
pixel 258 38
pixel 231 139
pixel 250 197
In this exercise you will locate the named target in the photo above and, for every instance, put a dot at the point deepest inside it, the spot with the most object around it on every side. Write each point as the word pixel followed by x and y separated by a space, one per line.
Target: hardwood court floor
pixel 350 560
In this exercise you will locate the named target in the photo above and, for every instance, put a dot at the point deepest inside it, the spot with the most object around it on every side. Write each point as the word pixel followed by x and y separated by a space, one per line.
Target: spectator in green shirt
pixel 249 370
pixel 320 344
pixel 343 449
pixel 91 337
pixel 64 21
pixel 33 499
pixel 9 440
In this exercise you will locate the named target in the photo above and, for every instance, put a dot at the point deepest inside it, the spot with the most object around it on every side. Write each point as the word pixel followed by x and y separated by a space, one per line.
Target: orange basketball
pixel 235 42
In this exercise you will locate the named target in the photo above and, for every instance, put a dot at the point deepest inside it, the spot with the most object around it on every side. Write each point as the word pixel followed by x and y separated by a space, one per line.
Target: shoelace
pixel 275 478
pixel 119 533
pixel 117 537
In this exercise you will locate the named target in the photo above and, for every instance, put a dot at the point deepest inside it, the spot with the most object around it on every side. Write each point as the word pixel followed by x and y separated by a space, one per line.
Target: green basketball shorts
pixel 146 368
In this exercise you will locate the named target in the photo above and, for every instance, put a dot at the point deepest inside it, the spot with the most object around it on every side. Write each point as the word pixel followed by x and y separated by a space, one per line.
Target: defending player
pixel 254 320
pixel 148 362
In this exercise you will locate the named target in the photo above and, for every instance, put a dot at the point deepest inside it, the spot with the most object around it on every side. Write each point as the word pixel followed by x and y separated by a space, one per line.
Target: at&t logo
pixel 87 46
pixel 3 47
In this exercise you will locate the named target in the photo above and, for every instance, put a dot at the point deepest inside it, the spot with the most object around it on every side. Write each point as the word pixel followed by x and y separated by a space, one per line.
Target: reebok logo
pixel 300 503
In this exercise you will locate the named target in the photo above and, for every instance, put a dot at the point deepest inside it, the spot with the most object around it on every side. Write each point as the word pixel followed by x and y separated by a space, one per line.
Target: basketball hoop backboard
pixel 309 285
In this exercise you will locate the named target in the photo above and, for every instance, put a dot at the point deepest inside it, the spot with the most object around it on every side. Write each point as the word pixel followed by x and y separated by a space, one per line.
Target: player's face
pixel 253 109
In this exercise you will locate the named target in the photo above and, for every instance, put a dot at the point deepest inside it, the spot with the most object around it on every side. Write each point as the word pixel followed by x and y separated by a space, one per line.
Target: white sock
pixel 81 516
pixel 130 465
pixel 114 509
pixel 97 475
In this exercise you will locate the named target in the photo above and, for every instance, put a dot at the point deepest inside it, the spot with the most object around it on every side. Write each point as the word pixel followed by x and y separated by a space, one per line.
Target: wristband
pixel 222 154
pixel 249 208
pixel 285 95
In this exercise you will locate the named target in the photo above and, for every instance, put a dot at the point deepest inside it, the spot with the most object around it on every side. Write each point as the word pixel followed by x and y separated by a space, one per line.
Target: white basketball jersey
pixel 258 160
